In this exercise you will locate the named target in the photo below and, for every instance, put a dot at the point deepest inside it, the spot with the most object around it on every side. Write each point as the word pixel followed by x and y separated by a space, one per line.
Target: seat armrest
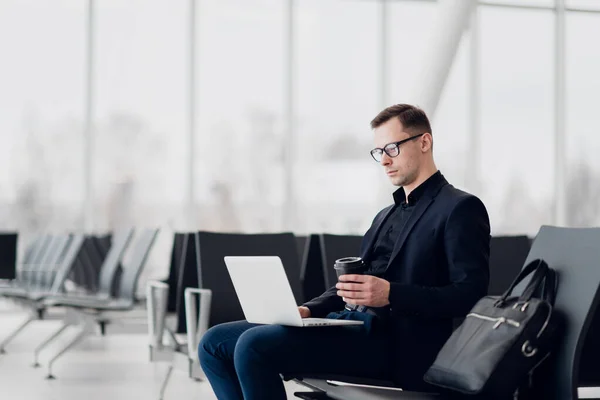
pixel 196 319
pixel 157 294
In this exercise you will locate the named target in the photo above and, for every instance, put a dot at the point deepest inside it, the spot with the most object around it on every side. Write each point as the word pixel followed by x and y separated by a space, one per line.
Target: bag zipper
pixel 498 320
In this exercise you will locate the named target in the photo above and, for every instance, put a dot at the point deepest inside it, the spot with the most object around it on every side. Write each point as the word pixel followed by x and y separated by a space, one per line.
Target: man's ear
pixel 427 142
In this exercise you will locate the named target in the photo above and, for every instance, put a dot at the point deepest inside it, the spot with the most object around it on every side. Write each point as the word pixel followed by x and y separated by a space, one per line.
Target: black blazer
pixel 437 271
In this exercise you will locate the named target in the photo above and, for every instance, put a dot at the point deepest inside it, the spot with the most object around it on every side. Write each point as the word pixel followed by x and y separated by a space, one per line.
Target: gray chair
pixel 215 301
pixel 90 311
pixel 192 309
pixel 36 299
pixel 85 276
pixel 575 254
pixel 41 274
pixel 50 281
pixel 34 255
pixel 43 252
pixel 8 256
pixel 50 278
pixel 167 298
pixel 213 247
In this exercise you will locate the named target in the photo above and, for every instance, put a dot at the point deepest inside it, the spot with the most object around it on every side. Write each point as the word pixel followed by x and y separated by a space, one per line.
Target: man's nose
pixel 385 159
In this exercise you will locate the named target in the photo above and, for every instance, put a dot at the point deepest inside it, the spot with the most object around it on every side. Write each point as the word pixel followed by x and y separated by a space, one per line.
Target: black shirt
pixel 393 225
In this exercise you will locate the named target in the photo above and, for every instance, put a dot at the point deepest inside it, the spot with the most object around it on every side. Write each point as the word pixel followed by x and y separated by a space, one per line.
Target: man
pixel 428 263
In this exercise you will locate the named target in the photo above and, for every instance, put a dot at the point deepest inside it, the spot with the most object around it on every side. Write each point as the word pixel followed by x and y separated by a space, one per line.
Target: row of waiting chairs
pixel 201 255
pixel 199 293
pixel 198 270
pixel 50 260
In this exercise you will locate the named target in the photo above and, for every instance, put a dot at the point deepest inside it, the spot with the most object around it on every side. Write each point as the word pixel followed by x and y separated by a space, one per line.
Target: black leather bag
pixel 502 340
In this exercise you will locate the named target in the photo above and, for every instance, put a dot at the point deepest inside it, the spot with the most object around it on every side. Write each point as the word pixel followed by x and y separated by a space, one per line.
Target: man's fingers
pixel 351 295
pixel 349 286
pixel 354 278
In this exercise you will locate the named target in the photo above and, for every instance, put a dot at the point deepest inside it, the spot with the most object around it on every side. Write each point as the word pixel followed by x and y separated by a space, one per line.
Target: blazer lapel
pixel 369 248
pixel 422 206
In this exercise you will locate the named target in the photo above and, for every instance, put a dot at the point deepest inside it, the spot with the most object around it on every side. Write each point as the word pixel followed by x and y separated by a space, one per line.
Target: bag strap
pixel 536 283
pixel 550 287
pixel 533 266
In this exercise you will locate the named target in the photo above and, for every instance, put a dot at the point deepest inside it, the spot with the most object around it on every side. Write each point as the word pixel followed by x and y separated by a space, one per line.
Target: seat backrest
pixel 67 263
pixel 187 276
pixel 41 276
pixel 507 255
pixel 213 247
pixel 174 268
pixel 54 250
pixel 30 249
pixel 82 273
pixel 8 255
pixel 301 245
pixel 27 267
pixel 312 276
pixel 95 252
pixel 37 256
pixel 575 255
pixel 112 262
pixel 334 247
pixel 133 267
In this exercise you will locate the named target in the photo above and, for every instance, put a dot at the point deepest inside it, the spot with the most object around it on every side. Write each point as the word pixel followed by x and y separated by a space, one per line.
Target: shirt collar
pixel 414 196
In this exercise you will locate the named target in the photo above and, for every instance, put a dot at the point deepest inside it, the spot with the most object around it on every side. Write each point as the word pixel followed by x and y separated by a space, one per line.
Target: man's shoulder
pixel 452 197
pixel 451 192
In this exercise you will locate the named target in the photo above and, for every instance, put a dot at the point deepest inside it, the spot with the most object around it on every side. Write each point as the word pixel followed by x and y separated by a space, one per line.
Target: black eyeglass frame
pixel 379 151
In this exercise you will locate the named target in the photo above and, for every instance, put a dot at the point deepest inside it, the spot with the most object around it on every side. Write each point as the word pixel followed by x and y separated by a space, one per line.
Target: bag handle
pixel 540 270
pixel 536 283
pixel 550 287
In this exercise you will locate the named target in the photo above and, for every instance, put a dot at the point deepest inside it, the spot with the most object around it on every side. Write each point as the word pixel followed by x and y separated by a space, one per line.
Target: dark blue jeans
pixel 243 360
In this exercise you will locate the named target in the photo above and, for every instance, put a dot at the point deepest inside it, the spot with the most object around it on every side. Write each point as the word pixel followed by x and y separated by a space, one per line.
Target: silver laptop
pixel 266 296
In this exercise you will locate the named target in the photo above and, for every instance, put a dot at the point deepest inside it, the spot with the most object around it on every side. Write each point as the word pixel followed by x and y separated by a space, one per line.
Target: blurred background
pixel 253 115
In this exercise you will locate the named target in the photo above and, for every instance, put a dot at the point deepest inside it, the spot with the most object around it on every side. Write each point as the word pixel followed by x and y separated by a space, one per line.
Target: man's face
pixel 404 168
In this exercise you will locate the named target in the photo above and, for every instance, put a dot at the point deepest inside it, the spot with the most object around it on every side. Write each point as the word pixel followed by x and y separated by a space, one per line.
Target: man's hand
pixel 304 312
pixel 364 290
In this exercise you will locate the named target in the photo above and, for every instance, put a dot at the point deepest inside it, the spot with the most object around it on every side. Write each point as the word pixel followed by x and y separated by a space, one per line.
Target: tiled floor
pixel 114 367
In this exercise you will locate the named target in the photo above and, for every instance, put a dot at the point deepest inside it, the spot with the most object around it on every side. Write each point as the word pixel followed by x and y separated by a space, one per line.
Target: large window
pixel 140 99
pixel 451 123
pixel 41 114
pixel 240 137
pixel 517 137
pixel 337 95
pixel 584 4
pixel 583 121
pixel 145 105
pixel 410 27
pixel 411 24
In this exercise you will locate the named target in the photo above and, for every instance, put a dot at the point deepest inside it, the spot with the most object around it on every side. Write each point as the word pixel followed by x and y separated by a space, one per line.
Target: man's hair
pixel 414 120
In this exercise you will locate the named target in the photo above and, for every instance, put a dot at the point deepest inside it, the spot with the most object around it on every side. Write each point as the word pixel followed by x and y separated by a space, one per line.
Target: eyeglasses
pixel 391 149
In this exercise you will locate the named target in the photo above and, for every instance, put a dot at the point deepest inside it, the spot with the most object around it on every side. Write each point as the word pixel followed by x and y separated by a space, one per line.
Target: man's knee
pixel 260 344
pixel 220 340
pixel 209 344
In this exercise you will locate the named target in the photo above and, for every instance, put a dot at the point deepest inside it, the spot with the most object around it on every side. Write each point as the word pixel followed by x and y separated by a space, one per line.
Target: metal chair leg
pixel 41 346
pixel 165 382
pixel 14 333
pixel 84 332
